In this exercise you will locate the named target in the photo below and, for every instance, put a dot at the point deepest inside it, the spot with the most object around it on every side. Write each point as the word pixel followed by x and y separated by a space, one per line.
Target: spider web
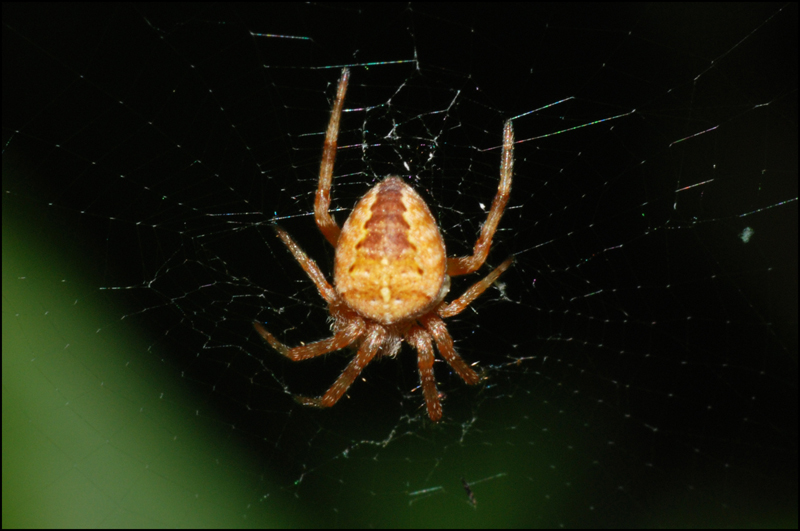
pixel 640 355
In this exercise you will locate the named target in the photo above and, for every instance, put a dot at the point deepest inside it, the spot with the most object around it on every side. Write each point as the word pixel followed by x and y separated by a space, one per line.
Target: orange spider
pixel 391 274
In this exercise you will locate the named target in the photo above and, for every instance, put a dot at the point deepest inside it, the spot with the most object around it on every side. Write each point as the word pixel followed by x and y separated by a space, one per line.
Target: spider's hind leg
pixel 340 340
pixel 444 343
pixel 421 341
pixel 370 346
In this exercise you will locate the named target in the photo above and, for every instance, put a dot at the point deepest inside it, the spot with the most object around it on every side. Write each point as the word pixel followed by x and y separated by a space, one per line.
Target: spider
pixel 391 274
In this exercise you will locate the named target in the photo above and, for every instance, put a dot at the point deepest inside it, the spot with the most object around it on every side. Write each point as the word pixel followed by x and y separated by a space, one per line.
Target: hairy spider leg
pixel 421 340
pixel 372 343
pixel 341 339
pixel 467 264
pixel 322 202
pixel 457 306
pixel 434 324
pixel 309 266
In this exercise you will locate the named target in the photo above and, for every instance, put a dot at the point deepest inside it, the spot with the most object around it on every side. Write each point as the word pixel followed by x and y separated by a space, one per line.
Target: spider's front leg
pixel 322 202
pixel 467 264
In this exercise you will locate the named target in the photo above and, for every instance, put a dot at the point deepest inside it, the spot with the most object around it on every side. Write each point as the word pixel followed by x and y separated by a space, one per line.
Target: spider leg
pixel 341 339
pixel 421 340
pixel 434 324
pixel 309 266
pixel 467 264
pixel 322 202
pixel 372 343
pixel 457 306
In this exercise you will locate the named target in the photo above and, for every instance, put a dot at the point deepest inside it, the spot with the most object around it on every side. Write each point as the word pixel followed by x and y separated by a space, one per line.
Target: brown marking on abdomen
pixel 386 230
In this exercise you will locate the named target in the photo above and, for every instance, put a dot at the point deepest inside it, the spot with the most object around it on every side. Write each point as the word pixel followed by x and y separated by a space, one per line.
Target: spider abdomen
pixel 390 257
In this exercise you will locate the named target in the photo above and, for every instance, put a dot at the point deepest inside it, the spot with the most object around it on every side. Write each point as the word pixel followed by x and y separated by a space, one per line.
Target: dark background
pixel 642 371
